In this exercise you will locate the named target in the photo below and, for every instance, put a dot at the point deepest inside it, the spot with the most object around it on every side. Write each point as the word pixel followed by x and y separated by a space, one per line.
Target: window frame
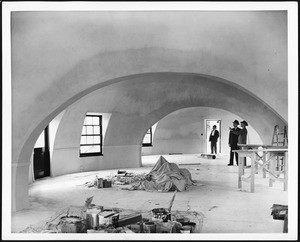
pixel 151 142
pixel 89 154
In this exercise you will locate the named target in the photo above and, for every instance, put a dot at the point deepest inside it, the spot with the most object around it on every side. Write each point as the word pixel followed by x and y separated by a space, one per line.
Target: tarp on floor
pixel 165 177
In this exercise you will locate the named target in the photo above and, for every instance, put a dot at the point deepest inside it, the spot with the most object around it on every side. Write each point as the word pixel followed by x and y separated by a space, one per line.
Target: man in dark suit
pixel 213 138
pixel 233 141
pixel 242 136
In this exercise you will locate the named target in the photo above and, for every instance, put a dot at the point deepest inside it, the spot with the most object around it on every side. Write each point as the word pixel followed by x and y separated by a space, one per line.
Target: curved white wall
pixel 58 57
pixel 139 102
pixel 183 131
pixel 51 54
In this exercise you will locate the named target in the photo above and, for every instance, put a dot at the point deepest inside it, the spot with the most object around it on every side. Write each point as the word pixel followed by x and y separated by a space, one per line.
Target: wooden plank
pixel 249 146
pixel 246 179
pixel 252 172
pixel 264 161
pixel 240 174
pixel 285 184
pixel 262 150
pixel 134 218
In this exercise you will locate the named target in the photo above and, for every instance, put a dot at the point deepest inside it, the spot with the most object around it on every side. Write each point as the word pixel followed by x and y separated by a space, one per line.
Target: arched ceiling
pixel 48 45
pixel 138 103
pixel 58 57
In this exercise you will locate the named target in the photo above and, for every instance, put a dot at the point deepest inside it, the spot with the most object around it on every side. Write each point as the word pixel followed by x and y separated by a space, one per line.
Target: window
pixel 147 141
pixel 91 136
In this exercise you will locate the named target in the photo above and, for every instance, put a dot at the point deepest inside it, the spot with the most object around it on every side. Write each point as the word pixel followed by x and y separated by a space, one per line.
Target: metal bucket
pixel 149 227
pixel 188 227
pixel 72 225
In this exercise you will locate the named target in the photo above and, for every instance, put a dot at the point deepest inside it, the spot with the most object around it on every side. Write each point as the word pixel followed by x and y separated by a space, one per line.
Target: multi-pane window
pixel 91 136
pixel 147 141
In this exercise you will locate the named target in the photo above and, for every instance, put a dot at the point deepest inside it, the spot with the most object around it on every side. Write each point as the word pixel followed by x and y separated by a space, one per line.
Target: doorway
pixel 41 156
pixel 209 123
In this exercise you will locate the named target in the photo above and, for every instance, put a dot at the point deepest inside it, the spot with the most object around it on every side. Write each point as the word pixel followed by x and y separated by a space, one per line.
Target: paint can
pixel 115 220
pixel 72 225
pixel 149 227
pixel 189 226
pixel 92 219
pixel 100 183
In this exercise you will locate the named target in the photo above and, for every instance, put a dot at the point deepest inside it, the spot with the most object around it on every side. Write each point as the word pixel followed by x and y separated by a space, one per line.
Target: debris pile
pixel 92 218
pixel 99 183
pixel 280 212
pixel 165 177
pixel 128 178
pixel 208 156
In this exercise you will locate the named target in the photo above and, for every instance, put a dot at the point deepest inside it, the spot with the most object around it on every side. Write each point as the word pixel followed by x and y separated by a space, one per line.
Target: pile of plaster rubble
pixel 163 177
pixel 92 218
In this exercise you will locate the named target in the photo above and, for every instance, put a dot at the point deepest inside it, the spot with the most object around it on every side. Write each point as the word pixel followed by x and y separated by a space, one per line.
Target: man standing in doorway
pixel 233 141
pixel 213 139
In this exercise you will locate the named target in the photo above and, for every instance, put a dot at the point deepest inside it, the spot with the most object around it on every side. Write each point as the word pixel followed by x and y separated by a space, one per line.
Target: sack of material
pixel 165 177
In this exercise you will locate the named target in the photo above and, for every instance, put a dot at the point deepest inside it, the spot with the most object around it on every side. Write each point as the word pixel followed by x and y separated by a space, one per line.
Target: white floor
pixel 226 208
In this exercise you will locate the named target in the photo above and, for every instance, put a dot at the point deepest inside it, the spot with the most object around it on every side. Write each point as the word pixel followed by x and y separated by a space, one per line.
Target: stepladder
pixel 280 138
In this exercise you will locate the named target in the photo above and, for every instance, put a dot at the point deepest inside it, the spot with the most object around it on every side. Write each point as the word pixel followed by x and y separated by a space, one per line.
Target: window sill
pixel 90 155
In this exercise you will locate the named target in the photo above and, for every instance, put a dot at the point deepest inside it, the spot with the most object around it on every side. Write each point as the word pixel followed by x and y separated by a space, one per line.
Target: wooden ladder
pixel 279 139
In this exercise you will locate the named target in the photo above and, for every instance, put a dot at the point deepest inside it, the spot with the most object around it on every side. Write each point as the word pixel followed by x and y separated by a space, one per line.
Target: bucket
pixel 185 231
pixel 149 227
pixel 188 226
pixel 72 225
pixel 115 220
pixel 100 183
pixel 161 214
pixel 92 219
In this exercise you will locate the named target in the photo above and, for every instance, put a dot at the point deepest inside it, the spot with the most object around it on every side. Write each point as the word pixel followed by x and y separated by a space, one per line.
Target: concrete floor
pixel 226 208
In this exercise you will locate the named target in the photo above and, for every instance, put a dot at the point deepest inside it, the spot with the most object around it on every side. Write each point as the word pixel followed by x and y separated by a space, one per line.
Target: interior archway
pixel 183 132
pixel 59 57
pixel 137 102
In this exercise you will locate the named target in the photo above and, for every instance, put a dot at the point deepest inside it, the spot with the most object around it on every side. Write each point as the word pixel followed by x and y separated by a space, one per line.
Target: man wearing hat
pixel 242 135
pixel 213 139
pixel 233 141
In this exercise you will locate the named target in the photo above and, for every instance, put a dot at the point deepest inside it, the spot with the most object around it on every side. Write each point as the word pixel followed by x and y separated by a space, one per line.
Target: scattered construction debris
pixel 128 178
pixel 99 183
pixel 163 177
pixel 92 218
pixel 208 156
pixel 280 212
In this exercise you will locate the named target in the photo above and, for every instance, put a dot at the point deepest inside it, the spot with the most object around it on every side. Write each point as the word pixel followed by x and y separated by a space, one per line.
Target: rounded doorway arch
pixel 181 90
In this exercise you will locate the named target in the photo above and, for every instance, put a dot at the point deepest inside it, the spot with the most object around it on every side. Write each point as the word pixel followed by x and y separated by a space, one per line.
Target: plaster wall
pixel 58 57
pixel 53 126
pixel 55 53
pixel 183 131
pixel 66 157
pixel 137 104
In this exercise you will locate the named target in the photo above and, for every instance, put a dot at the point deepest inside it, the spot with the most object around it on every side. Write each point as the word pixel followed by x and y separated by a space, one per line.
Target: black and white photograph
pixel 149 120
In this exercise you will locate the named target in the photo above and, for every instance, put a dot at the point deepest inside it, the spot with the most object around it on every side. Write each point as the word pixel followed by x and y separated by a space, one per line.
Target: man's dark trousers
pixel 233 147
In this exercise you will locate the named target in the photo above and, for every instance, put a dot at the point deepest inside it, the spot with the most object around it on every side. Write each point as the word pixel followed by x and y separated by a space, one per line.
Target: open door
pixel 209 123
pixel 41 156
